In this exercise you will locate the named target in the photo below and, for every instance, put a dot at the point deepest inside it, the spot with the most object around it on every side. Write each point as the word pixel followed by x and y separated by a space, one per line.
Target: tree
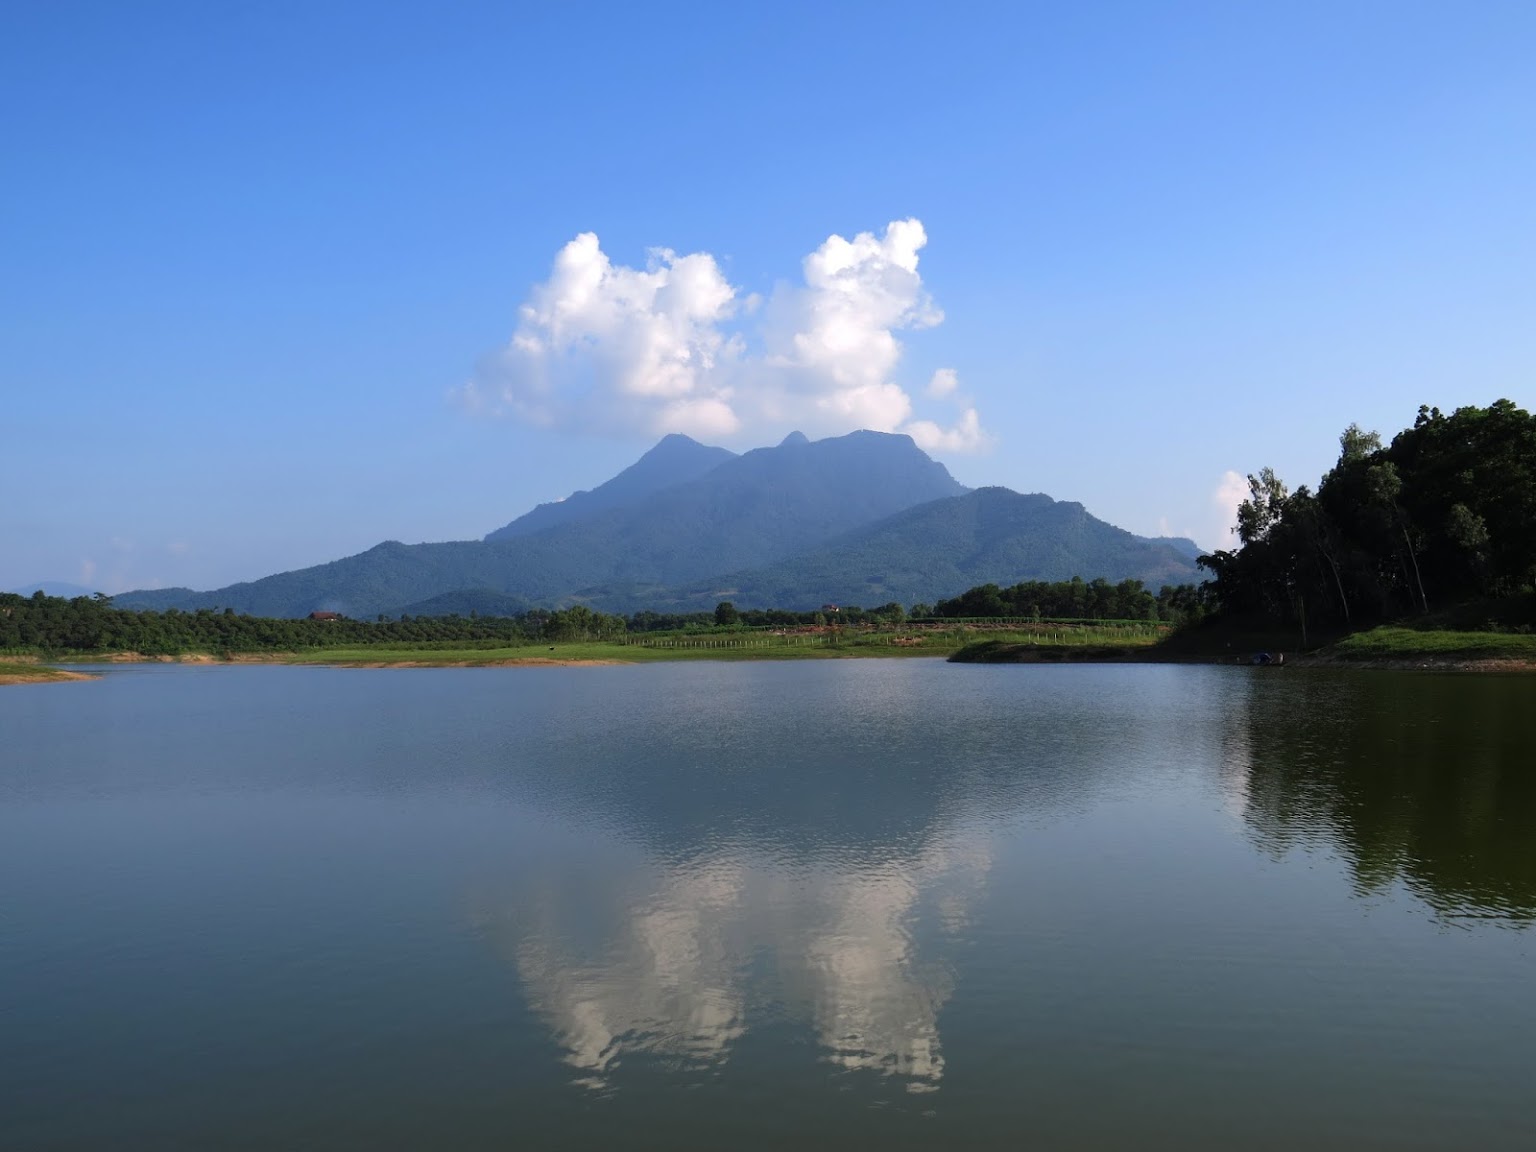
pixel 726 615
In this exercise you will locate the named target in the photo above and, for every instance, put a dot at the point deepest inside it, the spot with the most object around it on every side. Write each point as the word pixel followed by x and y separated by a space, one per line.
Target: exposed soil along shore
pixel 519 662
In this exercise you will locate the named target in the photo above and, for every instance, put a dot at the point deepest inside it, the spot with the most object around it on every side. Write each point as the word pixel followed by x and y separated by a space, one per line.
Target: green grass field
pixel 1397 643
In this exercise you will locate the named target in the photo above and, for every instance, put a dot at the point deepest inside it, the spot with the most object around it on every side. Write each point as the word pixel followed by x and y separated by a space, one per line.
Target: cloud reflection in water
pixel 679 960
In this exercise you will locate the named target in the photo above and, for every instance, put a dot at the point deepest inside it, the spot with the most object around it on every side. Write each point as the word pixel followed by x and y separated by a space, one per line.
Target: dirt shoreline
pixel 44 676
pixel 292 659
pixel 514 662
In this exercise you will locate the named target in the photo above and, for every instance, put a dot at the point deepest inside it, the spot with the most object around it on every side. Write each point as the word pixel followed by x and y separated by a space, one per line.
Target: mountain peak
pixel 674 459
pixel 676 442
pixel 794 440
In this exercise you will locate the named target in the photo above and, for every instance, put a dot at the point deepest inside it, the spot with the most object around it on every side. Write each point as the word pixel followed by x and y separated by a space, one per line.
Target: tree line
pixel 1442 516
pixel 42 623
pixel 92 624
pixel 1076 599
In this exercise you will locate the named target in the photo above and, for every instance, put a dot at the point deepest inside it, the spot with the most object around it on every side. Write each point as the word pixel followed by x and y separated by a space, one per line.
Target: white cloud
pixel 605 348
pixel 966 436
pixel 1231 492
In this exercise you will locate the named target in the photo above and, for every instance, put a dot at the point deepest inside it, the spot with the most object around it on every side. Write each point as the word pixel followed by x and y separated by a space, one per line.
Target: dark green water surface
pixel 749 906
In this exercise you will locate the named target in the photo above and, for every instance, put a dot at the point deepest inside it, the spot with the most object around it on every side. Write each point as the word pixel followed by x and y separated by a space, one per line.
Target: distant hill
pixel 469 601
pixel 938 549
pixel 361 586
pixel 53 588
pixel 676 459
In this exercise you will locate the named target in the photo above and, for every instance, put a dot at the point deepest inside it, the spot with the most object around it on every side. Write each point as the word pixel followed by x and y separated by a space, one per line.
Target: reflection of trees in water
pixel 1426 779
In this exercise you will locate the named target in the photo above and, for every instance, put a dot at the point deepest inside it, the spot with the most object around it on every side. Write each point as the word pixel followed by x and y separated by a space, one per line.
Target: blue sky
pixel 261 266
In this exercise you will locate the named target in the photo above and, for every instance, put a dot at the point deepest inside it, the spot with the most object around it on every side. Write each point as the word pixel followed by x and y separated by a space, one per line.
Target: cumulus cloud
pixel 606 346
pixel 601 347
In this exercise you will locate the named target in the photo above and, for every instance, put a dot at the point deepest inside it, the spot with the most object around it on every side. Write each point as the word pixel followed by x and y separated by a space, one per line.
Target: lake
pixel 818 905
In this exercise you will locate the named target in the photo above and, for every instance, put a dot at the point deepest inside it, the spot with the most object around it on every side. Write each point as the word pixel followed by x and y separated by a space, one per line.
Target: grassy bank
pixel 1407 645
pixel 618 652
pixel 1431 642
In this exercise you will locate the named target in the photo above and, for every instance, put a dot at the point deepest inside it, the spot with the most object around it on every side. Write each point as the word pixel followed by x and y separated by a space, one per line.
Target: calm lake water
pixel 814 905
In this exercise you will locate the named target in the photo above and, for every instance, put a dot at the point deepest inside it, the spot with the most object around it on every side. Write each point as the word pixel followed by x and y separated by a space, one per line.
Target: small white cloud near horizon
pixel 944 382
pixel 607 349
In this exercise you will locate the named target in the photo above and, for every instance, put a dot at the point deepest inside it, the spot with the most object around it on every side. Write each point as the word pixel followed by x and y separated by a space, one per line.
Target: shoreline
pixel 29 670
pixel 1427 662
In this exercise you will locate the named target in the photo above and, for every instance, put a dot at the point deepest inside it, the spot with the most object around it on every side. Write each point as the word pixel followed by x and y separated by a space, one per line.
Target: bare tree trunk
pixel 1414 556
pixel 1339 584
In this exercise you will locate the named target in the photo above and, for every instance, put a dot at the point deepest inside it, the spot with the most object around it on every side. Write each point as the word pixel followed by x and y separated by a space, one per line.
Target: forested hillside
pixel 991 535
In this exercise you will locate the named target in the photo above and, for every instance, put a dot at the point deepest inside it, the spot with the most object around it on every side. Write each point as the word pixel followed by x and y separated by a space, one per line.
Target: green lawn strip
pixel 1391 642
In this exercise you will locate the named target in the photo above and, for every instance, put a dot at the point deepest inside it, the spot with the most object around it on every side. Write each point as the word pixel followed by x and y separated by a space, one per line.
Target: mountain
pixel 939 549
pixel 675 460
pixel 745 512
